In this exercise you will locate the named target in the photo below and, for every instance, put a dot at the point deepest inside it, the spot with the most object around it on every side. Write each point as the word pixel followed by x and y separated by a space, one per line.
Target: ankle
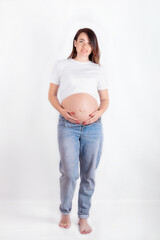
pixel 83 219
pixel 65 215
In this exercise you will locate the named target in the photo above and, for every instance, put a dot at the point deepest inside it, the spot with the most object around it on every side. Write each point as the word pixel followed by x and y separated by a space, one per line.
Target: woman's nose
pixel 84 45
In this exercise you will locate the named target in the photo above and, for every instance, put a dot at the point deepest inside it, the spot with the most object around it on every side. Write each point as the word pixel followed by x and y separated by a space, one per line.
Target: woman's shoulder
pixel 101 67
pixel 60 63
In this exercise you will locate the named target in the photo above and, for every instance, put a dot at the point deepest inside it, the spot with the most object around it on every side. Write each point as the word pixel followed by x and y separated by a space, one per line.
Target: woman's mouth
pixel 84 51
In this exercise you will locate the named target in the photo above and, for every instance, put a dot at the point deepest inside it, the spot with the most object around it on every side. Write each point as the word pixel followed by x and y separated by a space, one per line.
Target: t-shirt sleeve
pixel 55 74
pixel 102 80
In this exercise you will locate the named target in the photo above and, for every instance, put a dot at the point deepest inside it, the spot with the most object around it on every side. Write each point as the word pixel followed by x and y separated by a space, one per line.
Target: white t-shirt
pixel 73 77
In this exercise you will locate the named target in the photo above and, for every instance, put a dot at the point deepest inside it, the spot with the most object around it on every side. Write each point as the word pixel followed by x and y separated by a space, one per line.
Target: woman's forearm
pixel 103 105
pixel 55 103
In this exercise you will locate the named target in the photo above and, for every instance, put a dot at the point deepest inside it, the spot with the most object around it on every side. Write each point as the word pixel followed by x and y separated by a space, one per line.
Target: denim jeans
pixel 79 145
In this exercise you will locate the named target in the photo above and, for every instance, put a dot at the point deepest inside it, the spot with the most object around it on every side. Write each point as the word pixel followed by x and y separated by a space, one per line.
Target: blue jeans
pixel 82 144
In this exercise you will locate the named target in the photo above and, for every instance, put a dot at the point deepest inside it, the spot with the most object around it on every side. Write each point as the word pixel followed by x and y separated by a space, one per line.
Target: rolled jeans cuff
pixel 83 216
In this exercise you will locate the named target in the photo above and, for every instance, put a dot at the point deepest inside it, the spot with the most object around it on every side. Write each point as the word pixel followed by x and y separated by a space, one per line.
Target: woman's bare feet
pixel 84 226
pixel 65 221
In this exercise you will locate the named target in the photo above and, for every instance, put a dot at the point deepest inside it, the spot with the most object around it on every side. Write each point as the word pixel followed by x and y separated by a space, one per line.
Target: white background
pixel 33 35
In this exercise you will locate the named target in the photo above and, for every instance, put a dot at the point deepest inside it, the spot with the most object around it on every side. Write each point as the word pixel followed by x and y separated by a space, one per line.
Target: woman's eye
pixel 88 43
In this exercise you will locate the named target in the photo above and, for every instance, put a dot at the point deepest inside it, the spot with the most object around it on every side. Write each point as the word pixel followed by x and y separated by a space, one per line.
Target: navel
pixel 81 109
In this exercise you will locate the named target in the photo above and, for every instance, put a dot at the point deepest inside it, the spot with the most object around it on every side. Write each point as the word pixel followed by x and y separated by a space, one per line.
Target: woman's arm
pixel 104 102
pixel 52 97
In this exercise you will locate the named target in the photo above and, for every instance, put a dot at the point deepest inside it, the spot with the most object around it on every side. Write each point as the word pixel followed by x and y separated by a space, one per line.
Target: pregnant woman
pixel 83 98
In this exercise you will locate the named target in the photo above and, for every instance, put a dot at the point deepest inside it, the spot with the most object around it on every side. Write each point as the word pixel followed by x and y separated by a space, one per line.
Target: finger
pixel 69 111
pixel 72 113
pixel 74 120
pixel 89 121
pixel 70 116
pixel 92 114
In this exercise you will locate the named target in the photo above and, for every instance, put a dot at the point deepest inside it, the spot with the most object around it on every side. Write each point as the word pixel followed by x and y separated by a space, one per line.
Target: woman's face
pixel 83 46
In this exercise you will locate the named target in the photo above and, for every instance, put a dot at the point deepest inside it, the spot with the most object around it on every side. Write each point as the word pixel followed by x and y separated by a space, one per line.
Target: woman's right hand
pixel 67 114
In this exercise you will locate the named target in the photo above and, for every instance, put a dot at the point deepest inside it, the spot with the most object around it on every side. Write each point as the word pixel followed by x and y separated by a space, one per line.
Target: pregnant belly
pixel 82 104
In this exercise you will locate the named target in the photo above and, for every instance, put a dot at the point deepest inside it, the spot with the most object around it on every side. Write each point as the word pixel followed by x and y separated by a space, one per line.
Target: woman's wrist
pixel 61 110
pixel 100 112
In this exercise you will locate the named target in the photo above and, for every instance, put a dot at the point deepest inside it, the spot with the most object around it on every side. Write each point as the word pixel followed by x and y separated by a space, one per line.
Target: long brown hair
pixel 95 54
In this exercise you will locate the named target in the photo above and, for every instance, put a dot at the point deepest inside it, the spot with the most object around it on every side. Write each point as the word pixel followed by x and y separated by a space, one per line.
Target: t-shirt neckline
pixel 79 61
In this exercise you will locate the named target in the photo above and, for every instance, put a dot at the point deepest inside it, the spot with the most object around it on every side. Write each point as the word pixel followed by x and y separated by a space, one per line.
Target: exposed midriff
pixel 82 104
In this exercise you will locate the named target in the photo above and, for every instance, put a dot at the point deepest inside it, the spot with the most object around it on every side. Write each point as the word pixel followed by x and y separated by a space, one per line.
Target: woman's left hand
pixel 93 117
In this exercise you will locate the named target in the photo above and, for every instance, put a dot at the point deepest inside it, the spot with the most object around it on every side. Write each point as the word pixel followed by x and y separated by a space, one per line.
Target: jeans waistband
pixel 75 124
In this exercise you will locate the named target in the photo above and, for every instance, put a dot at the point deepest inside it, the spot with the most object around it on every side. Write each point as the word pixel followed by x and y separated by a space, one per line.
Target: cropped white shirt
pixel 78 77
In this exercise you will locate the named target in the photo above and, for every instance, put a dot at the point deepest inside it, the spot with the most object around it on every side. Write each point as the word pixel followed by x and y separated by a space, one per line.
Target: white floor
pixel 110 220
